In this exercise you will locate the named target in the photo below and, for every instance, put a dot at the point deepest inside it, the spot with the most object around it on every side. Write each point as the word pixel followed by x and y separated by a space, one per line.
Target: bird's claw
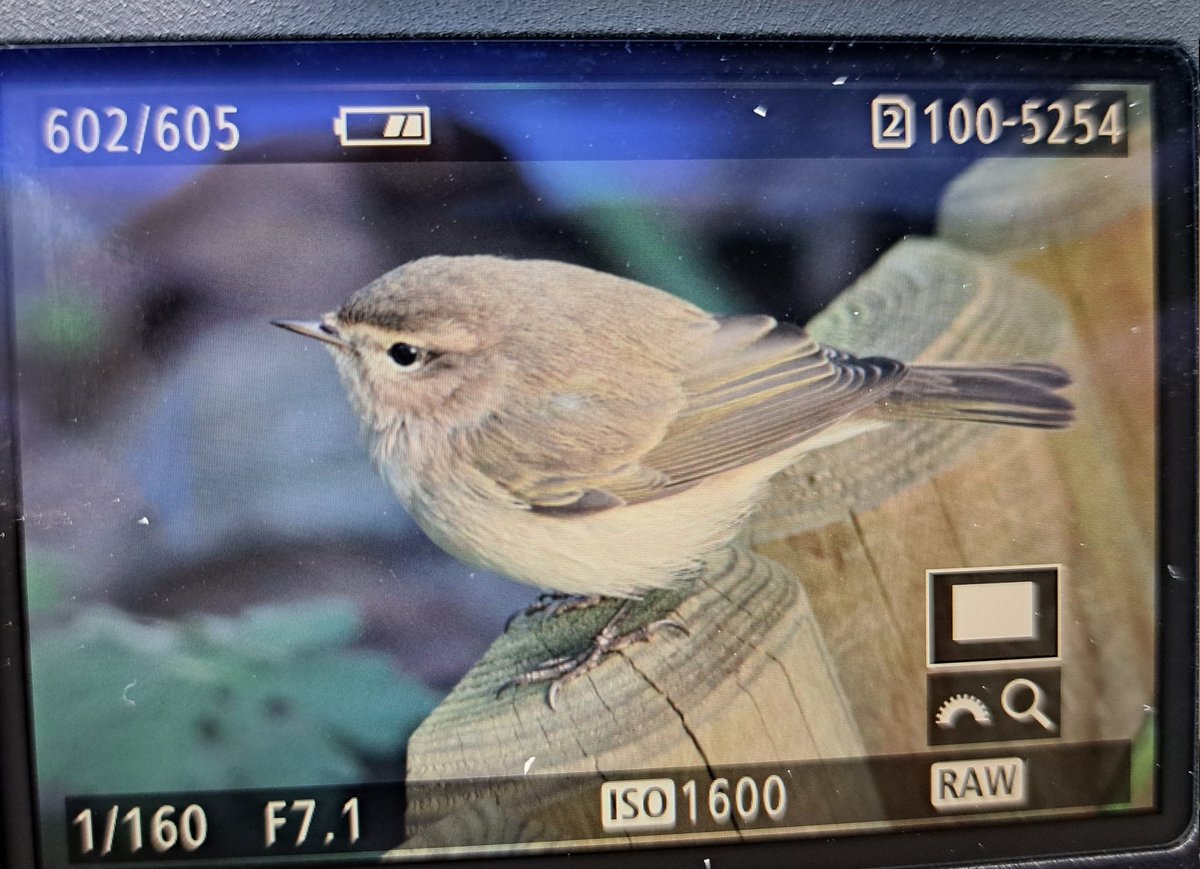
pixel 554 603
pixel 560 670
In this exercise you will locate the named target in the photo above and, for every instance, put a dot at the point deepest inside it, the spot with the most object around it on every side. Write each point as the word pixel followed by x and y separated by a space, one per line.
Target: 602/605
pixel 115 130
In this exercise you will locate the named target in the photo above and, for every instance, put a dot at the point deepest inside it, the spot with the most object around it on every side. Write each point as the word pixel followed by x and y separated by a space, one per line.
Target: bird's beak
pixel 318 329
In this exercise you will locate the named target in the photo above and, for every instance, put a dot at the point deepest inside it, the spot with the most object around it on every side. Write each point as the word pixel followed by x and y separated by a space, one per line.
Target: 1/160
pixel 164 829
pixel 114 130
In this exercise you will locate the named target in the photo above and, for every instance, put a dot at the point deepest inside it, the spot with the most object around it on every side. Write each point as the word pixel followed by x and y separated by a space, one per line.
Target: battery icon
pixel 356 126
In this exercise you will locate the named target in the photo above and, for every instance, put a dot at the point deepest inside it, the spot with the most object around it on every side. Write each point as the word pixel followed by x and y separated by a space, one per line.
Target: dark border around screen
pixel 1166 837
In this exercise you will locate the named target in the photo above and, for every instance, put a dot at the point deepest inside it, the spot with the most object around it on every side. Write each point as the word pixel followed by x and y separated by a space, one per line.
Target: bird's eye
pixel 406 355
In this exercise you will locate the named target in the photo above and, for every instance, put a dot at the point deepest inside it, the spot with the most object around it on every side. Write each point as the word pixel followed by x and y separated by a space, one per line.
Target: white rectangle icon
pixel 639 804
pixel 988 612
pixel 987 783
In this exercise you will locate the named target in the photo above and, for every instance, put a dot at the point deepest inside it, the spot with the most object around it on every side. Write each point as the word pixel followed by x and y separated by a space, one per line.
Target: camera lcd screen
pixel 698 451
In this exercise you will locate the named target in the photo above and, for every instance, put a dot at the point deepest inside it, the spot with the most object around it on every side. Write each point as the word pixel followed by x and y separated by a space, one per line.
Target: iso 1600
pixel 115 130
pixel 645 805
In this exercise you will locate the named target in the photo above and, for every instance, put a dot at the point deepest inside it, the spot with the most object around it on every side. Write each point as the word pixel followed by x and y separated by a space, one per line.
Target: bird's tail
pixel 1024 394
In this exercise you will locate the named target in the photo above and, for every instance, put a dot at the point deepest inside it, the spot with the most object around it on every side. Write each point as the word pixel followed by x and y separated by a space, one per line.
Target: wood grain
pixel 751 683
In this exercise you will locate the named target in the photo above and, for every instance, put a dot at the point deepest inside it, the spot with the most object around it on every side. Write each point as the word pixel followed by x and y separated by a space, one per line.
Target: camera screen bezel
pixel 1162 66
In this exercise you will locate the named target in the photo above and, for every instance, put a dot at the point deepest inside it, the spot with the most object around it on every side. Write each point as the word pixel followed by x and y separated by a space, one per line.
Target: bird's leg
pixel 561 670
pixel 554 602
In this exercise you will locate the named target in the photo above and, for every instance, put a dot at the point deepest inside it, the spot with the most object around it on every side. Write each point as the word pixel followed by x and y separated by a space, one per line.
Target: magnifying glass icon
pixel 1032 711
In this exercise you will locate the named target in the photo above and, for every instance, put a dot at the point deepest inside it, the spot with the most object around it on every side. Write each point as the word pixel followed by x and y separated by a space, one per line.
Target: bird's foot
pixel 553 603
pixel 561 670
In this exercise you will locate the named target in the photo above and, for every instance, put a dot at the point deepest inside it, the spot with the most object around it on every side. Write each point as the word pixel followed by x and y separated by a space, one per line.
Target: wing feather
pixel 776 392
pixel 754 387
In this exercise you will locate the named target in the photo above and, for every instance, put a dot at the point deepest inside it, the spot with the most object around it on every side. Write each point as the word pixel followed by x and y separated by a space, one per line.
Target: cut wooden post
pixel 750 683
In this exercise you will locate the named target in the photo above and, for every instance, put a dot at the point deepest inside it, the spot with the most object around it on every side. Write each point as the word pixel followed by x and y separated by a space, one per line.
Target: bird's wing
pixel 753 387
pixel 570 436
pixel 758 388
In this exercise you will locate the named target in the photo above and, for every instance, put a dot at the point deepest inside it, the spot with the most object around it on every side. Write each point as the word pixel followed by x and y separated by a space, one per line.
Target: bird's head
pixel 424 341
pixel 553 352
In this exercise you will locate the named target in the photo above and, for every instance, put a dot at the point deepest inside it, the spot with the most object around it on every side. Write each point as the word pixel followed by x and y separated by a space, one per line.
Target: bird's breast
pixel 436 484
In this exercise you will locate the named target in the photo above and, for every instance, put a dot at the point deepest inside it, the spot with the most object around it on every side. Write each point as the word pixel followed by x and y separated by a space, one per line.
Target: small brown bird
pixel 586 433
